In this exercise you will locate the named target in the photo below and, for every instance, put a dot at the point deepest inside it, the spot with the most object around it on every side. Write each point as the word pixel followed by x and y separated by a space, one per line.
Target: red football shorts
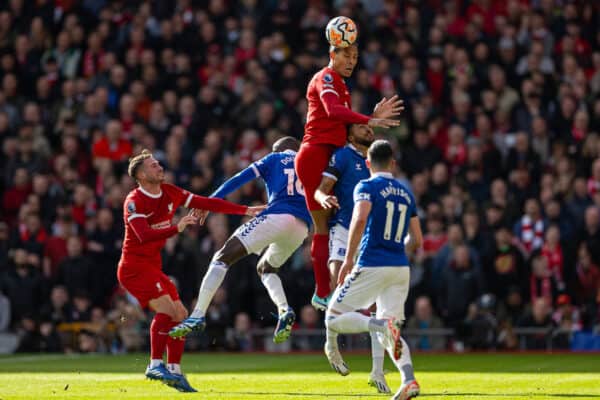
pixel 311 161
pixel 146 284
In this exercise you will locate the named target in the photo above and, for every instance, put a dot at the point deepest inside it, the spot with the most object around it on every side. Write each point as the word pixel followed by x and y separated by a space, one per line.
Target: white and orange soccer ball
pixel 341 32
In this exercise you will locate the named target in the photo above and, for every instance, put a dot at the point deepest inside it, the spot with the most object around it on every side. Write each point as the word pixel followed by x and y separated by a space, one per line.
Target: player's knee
pixel 330 318
pixel 264 268
pixel 181 313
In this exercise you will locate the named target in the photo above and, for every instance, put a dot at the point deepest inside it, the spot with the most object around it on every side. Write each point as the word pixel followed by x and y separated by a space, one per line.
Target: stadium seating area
pixel 500 143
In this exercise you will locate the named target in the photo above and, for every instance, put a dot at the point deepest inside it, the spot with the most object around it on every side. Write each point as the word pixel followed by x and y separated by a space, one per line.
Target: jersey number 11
pixel 387 231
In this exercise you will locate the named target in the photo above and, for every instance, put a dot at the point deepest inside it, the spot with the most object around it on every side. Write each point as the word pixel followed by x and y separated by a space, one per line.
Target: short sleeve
pixel 413 205
pixel 336 166
pixel 362 192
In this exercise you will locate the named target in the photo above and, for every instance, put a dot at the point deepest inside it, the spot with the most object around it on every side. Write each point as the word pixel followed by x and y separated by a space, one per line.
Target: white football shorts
pixel 338 240
pixel 280 234
pixel 385 286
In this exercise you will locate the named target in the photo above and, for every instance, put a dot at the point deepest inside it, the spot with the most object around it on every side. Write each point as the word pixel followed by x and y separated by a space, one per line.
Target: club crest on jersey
pixel 358 167
pixel 327 78
pixel 131 207
pixel 170 207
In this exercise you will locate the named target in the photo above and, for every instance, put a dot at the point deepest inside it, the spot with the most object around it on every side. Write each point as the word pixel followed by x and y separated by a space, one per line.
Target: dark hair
pixel 286 143
pixel 380 153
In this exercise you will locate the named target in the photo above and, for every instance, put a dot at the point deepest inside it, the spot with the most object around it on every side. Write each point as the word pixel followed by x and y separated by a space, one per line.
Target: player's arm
pixel 145 233
pixel 336 110
pixel 323 196
pixel 360 214
pixel 416 235
pixel 237 181
pixel 220 206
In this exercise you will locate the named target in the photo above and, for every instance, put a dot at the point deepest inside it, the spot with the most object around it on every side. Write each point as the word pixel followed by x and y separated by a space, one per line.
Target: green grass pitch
pixel 301 376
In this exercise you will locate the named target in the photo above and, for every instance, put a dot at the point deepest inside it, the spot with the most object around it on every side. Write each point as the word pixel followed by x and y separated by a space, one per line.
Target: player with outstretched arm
pixel 328 115
pixel 148 212
pixel 384 213
pixel 280 228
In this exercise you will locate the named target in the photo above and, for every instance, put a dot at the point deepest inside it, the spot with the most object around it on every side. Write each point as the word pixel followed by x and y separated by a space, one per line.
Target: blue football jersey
pixel 392 207
pixel 348 167
pixel 285 192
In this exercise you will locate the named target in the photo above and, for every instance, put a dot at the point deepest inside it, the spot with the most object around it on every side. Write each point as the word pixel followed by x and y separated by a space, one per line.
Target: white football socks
pixel 404 364
pixel 272 283
pixel 174 368
pixel 350 322
pixel 211 282
pixel 155 362
pixel 377 354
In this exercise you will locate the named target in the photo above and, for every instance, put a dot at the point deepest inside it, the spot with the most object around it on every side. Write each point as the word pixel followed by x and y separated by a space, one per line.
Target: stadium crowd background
pixel 499 143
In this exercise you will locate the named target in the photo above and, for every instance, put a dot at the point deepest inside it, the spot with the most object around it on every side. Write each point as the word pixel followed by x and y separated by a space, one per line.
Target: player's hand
pixel 383 123
pixel 344 270
pixel 329 202
pixel 254 211
pixel 185 221
pixel 388 108
pixel 200 215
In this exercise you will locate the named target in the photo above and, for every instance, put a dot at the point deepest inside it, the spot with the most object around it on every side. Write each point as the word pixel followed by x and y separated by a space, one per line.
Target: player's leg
pixel 252 237
pixel 292 233
pixel 358 291
pixel 390 304
pixel 310 163
pixel 377 377
pixel 159 328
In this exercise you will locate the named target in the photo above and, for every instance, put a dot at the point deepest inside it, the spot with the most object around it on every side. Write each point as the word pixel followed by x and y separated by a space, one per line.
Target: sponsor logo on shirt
pixel 161 225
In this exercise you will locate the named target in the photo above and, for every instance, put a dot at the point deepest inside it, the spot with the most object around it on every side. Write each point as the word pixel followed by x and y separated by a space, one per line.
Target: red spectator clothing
pixel 243 55
pixel 456 155
pixel 589 280
pixel 435 81
pixel 25 235
pixel 12 200
pixel 593 186
pixel 532 233
pixel 555 261
pixel 148 219
pixel 56 251
pixel 80 212
pixel 432 243
pixel 92 62
pixel 329 109
pixel 119 151
pixel 541 287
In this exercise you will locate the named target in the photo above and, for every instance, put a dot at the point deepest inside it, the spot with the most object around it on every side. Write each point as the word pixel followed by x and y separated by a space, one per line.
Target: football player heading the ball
pixel 328 115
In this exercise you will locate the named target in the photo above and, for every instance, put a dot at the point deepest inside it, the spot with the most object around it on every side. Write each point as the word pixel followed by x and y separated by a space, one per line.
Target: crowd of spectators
pixel 499 143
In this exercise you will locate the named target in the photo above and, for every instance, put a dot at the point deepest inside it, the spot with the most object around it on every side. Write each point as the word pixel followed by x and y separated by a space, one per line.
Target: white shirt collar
pixel 350 145
pixel 388 175
pixel 147 193
pixel 289 151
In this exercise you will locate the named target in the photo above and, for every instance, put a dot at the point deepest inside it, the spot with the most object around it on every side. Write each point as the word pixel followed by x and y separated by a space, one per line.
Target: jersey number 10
pixel 387 231
pixel 292 181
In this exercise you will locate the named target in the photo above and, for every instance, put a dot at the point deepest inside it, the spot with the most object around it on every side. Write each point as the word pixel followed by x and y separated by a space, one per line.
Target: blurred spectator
pixel 75 271
pixel 309 319
pixel 588 275
pixel 239 338
pixel 424 318
pixel 538 317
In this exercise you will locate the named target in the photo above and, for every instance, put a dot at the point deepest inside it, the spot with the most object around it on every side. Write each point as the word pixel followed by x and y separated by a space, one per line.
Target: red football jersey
pixel 159 211
pixel 321 126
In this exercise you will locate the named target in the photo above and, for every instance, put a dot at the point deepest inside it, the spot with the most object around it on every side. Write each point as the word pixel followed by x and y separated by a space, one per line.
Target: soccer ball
pixel 341 32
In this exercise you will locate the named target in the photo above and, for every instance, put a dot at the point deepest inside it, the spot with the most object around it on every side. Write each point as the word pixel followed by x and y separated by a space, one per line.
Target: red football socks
pixel 175 349
pixel 319 252
pixel 159 334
